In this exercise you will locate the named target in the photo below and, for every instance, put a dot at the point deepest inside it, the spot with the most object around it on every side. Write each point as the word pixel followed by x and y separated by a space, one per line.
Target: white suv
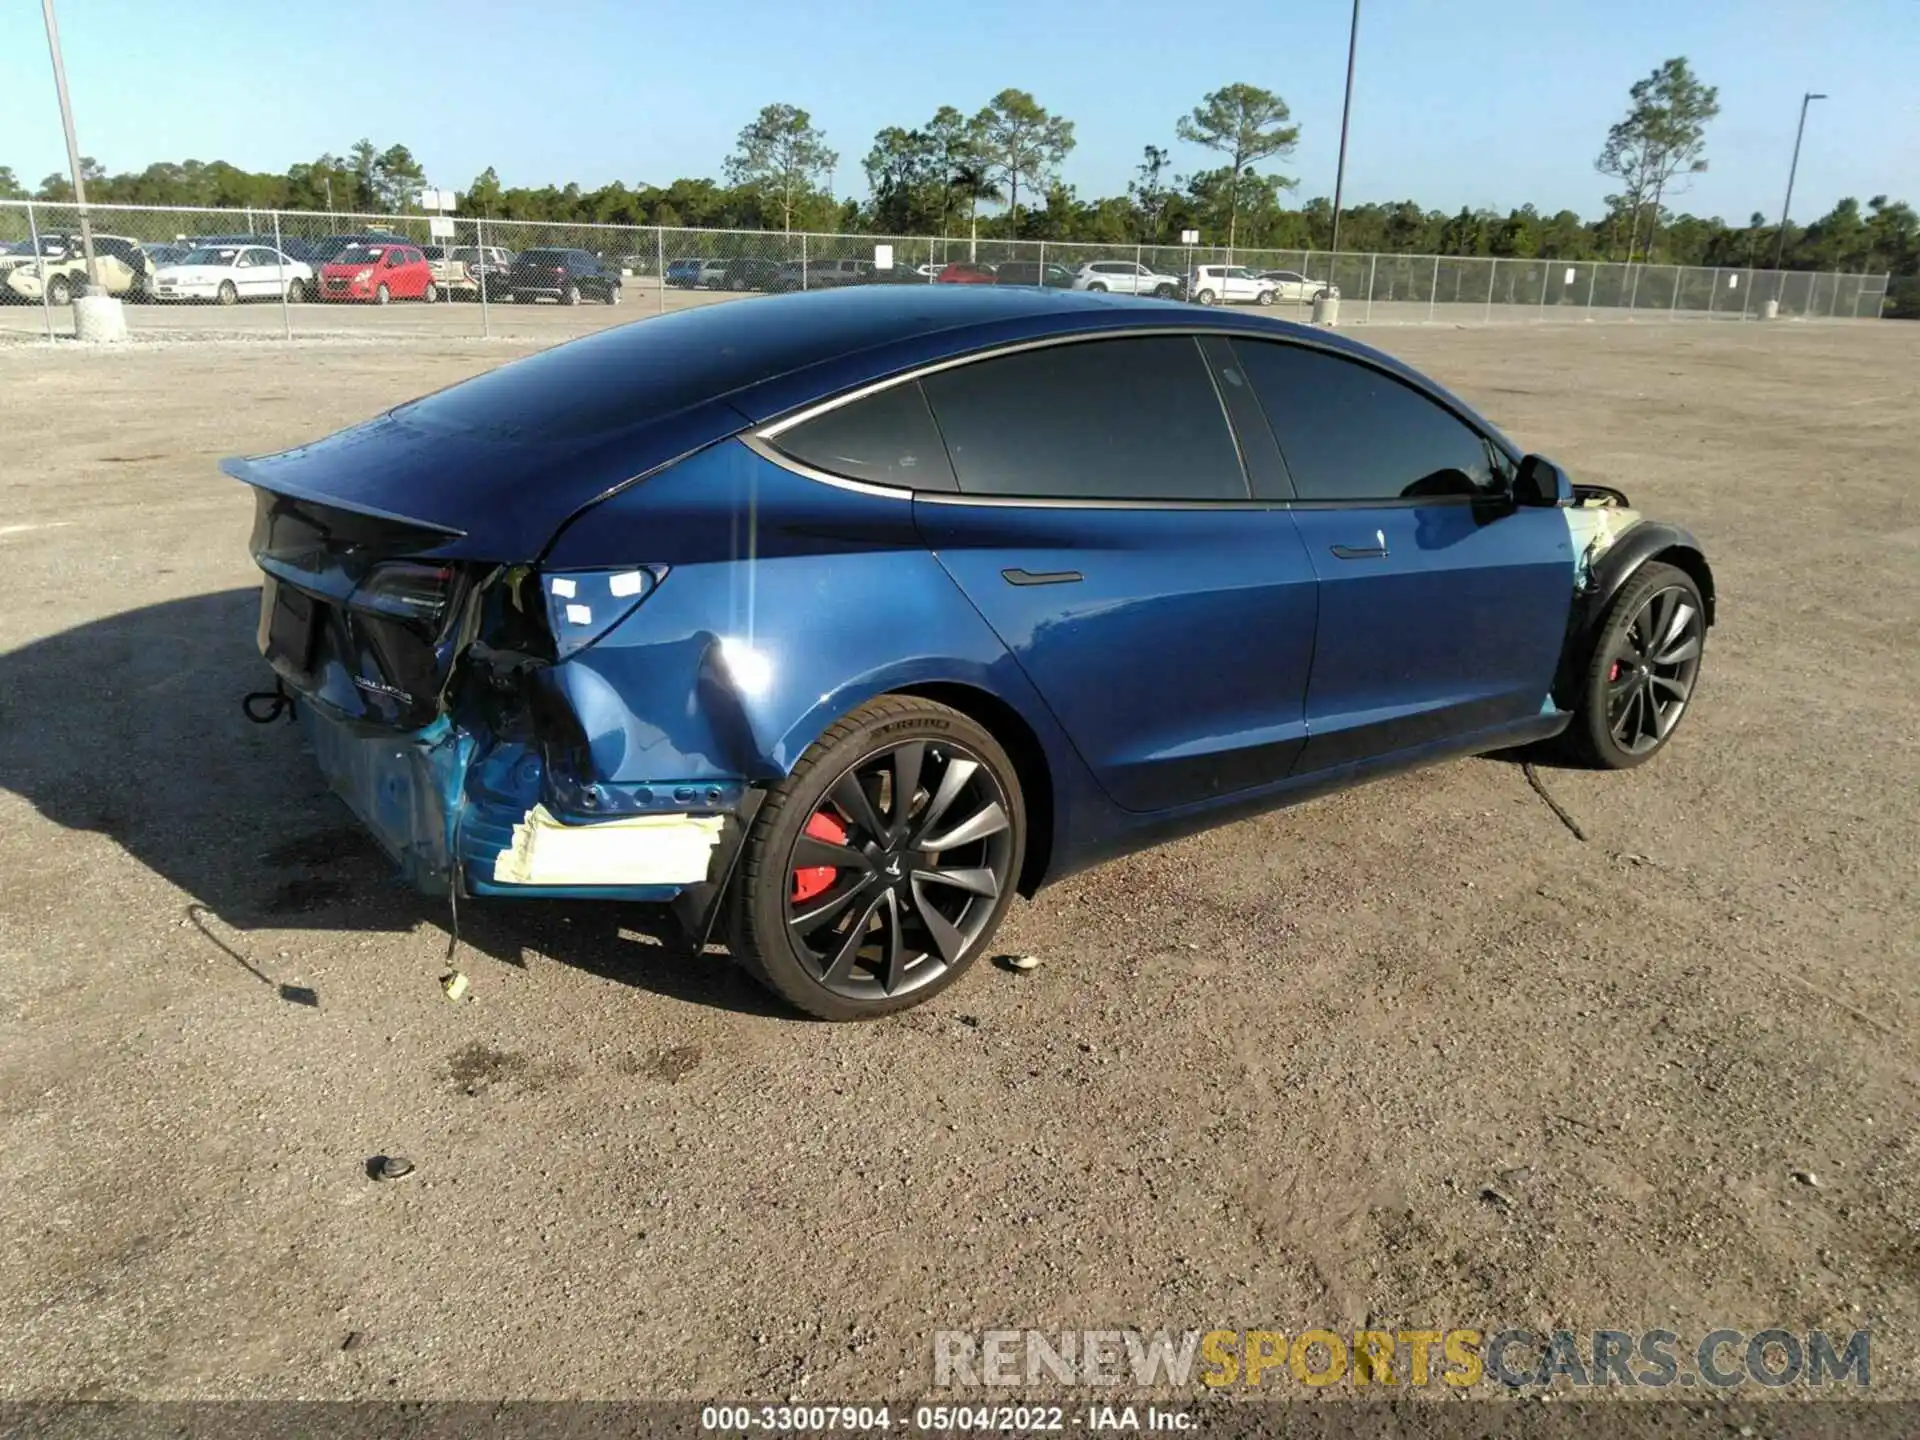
pixel 1123 277
pixel 1233 284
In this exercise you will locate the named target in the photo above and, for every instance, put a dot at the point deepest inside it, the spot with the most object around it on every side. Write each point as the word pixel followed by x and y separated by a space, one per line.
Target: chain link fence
pixel 244 272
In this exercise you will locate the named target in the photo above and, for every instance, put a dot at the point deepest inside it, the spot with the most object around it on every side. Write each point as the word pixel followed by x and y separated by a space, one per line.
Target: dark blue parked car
pixel 839 618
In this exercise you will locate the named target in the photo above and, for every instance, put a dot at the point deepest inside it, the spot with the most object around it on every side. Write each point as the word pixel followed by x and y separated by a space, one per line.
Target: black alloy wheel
pixel 877 872
pixel 1644 667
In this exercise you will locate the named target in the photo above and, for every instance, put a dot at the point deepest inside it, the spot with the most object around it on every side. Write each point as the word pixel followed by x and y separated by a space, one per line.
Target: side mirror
pixel 1543 483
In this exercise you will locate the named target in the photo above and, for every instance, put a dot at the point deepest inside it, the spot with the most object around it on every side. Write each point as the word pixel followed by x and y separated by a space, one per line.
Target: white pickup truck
pixel 460 271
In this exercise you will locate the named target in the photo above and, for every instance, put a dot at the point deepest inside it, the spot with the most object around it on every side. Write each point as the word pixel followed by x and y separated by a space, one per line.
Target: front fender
pixel 1607 562
pixel 1648 540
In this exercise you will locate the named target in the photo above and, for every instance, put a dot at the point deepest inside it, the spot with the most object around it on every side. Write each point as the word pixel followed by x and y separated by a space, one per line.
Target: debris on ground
pixel 389 1167
pixel 455 985
pixel 1807 1178
pixel 1017 962
pixel 1540 789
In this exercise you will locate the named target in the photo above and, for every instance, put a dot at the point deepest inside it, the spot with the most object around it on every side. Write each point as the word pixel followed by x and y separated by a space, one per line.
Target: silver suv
pixel 1124 277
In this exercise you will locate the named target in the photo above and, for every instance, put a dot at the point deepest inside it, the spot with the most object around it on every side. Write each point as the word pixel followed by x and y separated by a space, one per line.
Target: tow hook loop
pixel 263 707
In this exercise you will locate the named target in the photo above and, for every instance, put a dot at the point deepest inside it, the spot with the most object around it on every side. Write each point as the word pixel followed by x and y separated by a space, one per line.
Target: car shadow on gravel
pixel 131 727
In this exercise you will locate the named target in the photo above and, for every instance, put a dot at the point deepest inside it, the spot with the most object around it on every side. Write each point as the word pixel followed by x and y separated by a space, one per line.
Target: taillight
pixel 583 605
pixel 406 590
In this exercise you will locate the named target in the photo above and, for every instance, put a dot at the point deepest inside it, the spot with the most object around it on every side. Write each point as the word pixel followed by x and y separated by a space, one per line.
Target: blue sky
pixel 1466 102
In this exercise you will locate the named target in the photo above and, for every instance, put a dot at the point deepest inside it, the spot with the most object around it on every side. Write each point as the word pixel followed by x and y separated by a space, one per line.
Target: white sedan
pixel 1292 285
pixel 231 273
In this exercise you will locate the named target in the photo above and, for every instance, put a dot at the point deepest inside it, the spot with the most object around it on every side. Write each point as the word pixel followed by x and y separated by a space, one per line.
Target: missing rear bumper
pixel 644 850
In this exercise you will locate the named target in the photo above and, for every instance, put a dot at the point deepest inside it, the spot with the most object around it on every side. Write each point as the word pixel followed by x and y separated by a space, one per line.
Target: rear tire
pixel 295 293
pixel 227 294
pixel 1096 288
pixel 430 294
pixel 1205 297
pixel 613 295
pixel 572 297
pixel 1638 683
pixel 888 932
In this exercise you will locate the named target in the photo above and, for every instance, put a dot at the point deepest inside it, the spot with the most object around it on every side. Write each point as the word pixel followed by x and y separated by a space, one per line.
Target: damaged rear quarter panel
pixel 730 670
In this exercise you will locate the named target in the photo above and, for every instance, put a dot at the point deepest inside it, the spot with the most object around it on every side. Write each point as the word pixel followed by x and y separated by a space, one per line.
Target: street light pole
pixel 1340 175
pixel 1780 243
pixel 73 145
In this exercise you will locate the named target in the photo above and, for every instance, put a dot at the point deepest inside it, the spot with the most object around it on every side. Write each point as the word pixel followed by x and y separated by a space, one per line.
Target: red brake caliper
pixel 812 880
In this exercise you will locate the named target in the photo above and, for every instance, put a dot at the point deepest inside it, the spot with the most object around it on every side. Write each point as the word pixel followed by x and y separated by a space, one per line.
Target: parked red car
pixel 967 272
pixel 378 273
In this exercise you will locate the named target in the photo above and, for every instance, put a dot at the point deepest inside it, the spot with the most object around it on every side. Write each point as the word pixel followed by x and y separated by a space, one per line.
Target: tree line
pixel 995 174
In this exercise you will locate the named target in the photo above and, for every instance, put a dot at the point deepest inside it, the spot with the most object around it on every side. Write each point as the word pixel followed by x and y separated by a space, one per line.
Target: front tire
pixel 572 297
pixel 59 292
pixel 430 294
pixel 878 870
pixel 1639 680
pixel 1265 297
pixel 382 295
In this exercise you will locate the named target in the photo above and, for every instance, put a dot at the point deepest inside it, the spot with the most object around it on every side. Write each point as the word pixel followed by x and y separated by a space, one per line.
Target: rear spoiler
pixel 251 472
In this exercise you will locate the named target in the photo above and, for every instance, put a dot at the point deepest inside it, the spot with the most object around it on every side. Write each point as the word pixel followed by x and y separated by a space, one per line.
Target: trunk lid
pixel 376 541
pixel 355 612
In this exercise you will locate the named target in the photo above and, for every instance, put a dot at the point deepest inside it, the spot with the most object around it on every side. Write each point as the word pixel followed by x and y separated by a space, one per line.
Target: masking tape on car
pixel 640 850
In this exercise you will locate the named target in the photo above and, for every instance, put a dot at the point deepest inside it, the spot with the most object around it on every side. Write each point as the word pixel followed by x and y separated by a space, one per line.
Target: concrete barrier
pixel 99 318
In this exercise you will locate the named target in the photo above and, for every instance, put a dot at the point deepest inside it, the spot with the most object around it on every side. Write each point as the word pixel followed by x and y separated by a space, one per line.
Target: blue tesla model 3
pixel 833 620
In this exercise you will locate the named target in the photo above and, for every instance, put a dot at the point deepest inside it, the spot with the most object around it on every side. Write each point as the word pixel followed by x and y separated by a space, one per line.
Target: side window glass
pixel 887 438
pixel 1350 432
pixel 1134 419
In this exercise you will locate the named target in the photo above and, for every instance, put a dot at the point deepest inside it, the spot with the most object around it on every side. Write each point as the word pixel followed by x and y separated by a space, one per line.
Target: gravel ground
pixel 1411 1055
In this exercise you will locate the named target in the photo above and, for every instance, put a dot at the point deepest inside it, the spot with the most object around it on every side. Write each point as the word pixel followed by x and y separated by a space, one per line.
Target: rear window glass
pixel 619 377
pixel 887 439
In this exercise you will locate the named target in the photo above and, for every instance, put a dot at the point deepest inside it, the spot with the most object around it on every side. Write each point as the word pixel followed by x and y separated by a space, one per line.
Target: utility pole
pixel 1780 243
pixel 1346 109
pixel 73 145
